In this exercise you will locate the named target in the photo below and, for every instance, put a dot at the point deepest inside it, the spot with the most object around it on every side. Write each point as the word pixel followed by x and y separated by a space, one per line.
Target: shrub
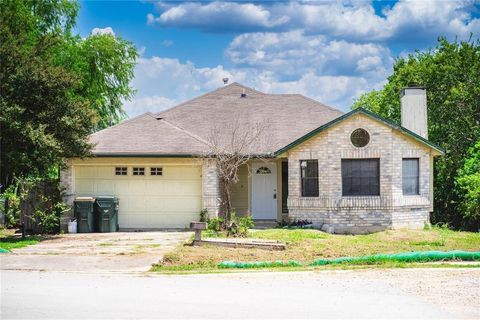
pixel 48 220
pixel 204 215
pixel 238 227
pixel 12 212
pixel 294 223
pixel 215 224
pixel 35 202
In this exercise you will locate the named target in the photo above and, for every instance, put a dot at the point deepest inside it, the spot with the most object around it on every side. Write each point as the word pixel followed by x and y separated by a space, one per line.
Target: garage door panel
pixel 147 220
pixel 106 172
pixel 86 172
pixel 104 187
pixel 137 204
pixel 156 187
pixel 181 173
pixel 168 201
pixel 187 187
pixel 182 204
pixel 156 204
pixel 137 187
pixel 84 187
pixel 122 188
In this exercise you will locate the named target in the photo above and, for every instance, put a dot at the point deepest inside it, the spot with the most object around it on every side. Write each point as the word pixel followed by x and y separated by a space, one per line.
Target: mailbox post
pixel 198 227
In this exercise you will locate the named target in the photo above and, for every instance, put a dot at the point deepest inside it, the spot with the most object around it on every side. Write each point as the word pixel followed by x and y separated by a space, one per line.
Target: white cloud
pixel 294 53
pixel 148 104
pixel 102 31
pixel 167 43
pixel 164 82
pixel 219 15
pixel 345 20
pixel 330 51
pixel 336 91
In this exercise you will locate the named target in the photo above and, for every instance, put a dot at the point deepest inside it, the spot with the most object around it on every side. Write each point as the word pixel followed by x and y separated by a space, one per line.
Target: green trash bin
pixel 84 213
pixel 106 210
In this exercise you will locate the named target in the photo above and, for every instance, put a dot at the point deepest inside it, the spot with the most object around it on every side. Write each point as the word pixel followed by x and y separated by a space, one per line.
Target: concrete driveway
pixel 99 252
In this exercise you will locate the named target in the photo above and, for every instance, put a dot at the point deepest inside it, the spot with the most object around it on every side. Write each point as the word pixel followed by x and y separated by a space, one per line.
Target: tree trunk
pixel 227 201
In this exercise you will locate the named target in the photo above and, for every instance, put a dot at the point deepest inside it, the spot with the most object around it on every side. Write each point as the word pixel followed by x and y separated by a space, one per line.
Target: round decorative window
pixel 360 138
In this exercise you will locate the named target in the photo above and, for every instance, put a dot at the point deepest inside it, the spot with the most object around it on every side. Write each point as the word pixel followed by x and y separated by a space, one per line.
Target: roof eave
pixel 143 155
pixel 369 114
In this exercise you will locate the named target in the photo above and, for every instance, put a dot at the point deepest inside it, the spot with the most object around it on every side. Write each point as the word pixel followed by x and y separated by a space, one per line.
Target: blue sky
pixel 329 51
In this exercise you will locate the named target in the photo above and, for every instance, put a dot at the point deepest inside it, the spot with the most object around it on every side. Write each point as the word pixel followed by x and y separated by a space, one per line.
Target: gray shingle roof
pixel 183 130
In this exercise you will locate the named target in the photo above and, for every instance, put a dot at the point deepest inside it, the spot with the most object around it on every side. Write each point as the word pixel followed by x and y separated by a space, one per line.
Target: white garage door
pixel 169 200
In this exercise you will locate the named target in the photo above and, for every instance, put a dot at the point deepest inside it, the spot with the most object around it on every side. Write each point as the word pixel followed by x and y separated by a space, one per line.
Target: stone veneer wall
pixel 210 188
pixel 67 183
pixel 367 213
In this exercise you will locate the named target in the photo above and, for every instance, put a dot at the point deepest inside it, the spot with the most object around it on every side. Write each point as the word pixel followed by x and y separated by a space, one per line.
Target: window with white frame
pixel 309 178
pixel 360 177
pixel 410 176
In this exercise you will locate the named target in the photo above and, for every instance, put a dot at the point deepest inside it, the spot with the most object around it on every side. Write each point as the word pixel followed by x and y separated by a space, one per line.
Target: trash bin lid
pixel 86 199
pixel 106 198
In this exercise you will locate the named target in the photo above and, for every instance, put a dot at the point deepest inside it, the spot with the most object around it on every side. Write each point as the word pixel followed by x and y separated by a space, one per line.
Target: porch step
pixel 264 224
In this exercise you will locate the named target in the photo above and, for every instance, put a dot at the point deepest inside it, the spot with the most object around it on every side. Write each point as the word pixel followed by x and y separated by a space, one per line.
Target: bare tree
pixel 230 147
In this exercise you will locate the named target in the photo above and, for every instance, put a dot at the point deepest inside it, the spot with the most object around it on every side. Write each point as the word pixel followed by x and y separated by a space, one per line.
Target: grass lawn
pixel 9 240
pixel 305 246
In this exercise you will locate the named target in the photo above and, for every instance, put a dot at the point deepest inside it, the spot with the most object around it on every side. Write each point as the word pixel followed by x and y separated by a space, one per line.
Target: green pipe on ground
pixel 416 256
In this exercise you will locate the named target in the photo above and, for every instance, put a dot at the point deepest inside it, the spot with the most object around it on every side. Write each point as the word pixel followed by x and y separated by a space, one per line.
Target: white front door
pixel 264 191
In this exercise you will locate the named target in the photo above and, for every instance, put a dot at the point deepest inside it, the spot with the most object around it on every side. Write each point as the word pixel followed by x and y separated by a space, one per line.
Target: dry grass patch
pixel 306 246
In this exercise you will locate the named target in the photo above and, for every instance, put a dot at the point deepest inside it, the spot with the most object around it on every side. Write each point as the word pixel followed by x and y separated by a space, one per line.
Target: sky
pixel 331 51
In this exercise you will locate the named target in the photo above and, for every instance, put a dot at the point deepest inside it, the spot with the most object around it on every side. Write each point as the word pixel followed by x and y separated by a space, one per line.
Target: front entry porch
pixel 262 191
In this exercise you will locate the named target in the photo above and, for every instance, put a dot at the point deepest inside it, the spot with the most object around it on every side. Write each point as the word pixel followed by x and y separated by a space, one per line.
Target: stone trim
pixel 211 196
pixel 67 176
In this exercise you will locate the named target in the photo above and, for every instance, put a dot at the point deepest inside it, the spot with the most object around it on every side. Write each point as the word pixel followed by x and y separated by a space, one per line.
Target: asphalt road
pixel 330 294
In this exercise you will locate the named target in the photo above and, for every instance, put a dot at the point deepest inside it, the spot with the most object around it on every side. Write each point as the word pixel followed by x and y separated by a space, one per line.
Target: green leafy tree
pixel 105 65
pixel 451 74
pixel 56 88
pixel 468 181
pixel 42 121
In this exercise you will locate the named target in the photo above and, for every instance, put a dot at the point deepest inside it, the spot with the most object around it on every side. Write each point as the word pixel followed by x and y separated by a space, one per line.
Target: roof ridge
pixel 368 113
pixel 148 113
pixel 306 98
pixel 318 102
pixel 181 129
pixel 209 93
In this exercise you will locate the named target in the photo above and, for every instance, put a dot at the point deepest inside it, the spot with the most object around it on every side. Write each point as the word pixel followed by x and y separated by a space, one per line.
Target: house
pixel 346 172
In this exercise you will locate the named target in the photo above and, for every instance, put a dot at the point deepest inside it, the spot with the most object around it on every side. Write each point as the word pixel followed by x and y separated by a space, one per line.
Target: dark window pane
pixel 284 186
pixel 410 176
pixel 121 171
pixel 138 171
pixel 309 178
pixel 361 177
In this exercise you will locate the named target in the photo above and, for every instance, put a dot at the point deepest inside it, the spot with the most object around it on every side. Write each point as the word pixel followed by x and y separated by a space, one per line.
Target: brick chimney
pixel 413 103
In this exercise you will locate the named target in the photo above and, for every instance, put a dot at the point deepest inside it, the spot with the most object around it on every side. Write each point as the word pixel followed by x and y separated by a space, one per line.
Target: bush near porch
pixel 307 245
